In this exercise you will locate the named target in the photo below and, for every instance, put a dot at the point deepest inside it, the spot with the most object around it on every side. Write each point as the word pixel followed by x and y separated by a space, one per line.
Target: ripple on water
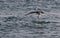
pixel 31 27
pixel 43 22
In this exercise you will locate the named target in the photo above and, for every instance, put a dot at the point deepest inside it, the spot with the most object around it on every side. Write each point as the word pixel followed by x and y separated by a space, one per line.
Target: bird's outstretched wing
pixel 27 14
pixel 30 13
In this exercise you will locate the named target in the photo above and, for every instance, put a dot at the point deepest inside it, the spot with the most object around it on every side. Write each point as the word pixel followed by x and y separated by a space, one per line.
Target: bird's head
pixel 42 13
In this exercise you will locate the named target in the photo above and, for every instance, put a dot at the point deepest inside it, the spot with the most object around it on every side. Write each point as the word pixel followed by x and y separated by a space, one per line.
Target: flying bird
pixel 39 12
pixel 36 12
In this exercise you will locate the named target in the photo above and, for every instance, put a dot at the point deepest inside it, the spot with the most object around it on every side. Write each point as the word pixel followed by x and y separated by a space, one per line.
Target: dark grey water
pixel 13 26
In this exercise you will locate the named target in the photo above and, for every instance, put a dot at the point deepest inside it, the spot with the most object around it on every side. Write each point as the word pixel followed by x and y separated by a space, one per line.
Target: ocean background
pixel 13 26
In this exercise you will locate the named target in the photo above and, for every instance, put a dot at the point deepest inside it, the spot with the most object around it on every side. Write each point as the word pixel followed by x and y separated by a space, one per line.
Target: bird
pixel 38 12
